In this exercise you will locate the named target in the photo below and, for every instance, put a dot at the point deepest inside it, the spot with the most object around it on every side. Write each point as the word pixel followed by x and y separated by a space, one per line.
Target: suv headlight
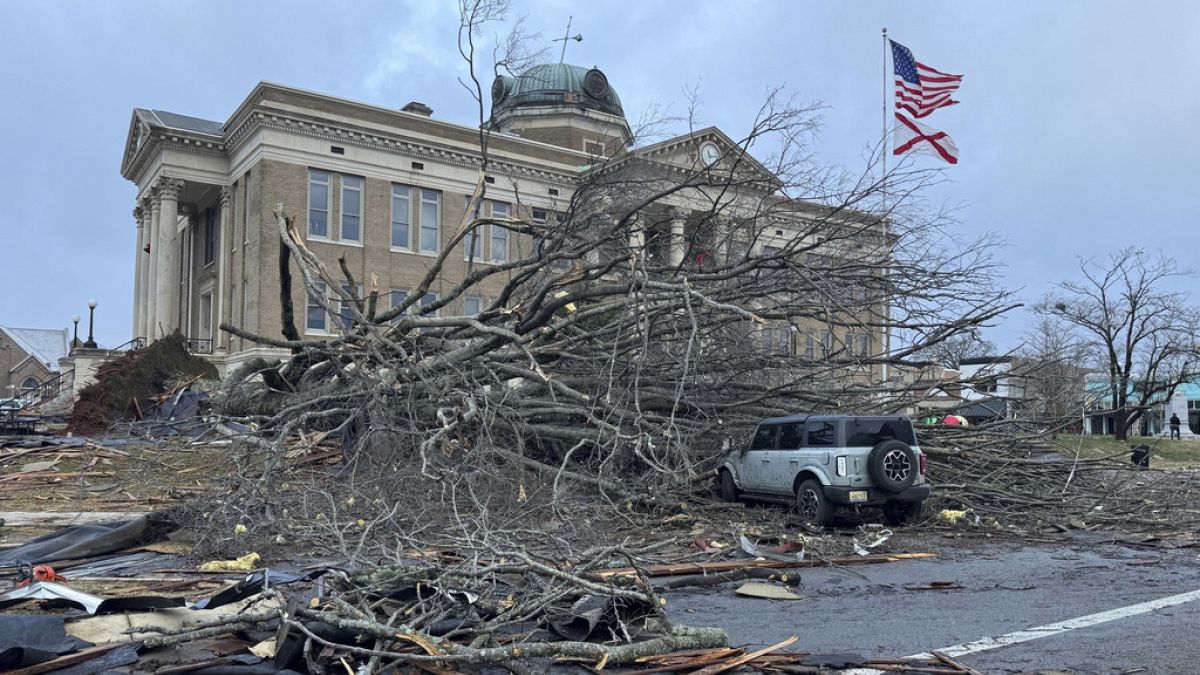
pixel 841 466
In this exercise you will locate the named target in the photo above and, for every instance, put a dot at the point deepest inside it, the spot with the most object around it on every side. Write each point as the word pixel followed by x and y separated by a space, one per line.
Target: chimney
pixel 418 108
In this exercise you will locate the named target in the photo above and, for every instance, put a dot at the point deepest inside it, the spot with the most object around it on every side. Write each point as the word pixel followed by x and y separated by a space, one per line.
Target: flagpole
pixel 885 121
pixel 887 333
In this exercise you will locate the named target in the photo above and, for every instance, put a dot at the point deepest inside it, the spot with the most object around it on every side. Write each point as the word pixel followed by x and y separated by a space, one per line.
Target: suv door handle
pixel 793 461
pixel 765 460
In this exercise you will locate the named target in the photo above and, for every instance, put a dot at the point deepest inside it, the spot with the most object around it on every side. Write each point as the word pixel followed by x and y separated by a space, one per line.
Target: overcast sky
pixel 1077 127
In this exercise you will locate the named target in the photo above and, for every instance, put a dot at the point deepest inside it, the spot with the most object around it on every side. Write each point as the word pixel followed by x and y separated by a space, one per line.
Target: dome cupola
pixel 562 104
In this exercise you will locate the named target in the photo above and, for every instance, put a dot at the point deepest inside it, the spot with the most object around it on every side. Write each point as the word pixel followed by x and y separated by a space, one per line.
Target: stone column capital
pixel 677 212
pixel 226 196
pixel 138 214
pixel 169 188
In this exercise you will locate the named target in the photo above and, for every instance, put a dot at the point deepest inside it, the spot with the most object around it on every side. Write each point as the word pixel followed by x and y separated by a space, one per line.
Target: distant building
pixel 29 358
pixel 1099 420
pixel 386 189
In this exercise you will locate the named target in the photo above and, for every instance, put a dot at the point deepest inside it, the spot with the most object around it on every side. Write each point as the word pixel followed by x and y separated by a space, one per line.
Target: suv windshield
pixel 868 432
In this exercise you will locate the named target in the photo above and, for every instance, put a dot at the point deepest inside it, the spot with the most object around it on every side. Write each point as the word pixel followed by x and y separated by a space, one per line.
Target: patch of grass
pixel 1163 452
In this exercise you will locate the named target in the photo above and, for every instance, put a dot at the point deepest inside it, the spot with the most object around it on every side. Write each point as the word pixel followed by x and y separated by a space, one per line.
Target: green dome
pixel 556 84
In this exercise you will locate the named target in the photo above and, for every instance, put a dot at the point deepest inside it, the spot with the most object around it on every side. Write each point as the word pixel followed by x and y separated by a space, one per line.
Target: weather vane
pixel 567 38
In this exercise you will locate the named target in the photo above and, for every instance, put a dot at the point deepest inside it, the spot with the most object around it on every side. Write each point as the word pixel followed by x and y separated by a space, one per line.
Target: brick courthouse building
pixel 383 188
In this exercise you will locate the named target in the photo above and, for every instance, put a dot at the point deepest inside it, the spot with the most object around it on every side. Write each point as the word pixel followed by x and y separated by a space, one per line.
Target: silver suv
pixel 821 462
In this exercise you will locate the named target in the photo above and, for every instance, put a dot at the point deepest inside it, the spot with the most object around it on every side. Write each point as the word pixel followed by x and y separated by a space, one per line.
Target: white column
pixel 187 251
pixel 151 286
pixel 637 240
pixel 143 309
pixel 135 330
pixel 220 339
pixel 678 234
pixel 166 289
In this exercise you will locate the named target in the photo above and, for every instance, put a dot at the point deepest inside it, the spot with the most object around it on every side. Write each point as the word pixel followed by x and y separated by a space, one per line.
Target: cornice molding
pixel 407 147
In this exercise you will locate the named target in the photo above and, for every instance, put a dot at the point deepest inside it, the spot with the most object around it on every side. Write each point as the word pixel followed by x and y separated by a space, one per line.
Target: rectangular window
pixel 314 314
pixel 430 213
pixel 246 210
pixel 499 233
pixel 810 347
pixel 318 203
pixel 820 434
pixel 396 297
pixel 210 236
pixel 345 308
pixel 826 343
pixel 401 217
pixel 472 306
pixel 539 215
pixel 352 208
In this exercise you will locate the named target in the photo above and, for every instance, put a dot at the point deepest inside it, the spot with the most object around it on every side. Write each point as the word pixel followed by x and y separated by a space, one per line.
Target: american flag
pixel 920 89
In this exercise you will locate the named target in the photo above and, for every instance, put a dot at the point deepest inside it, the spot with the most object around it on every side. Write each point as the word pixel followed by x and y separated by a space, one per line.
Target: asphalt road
pixel 1009 586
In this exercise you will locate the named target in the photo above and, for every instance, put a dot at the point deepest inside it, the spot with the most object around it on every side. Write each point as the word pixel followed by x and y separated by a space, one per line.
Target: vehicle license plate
pixel 858 495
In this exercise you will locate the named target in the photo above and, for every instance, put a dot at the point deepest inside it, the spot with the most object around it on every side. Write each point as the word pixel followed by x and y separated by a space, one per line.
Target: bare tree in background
pixel 1143 332
pixel 953 350
pixel 1052 370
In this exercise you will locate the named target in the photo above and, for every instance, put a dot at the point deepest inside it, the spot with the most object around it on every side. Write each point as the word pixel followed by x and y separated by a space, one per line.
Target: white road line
pixel 1048 630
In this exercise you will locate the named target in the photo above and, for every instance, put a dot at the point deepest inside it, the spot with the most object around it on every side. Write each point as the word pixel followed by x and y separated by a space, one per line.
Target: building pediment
pixel 152 130
pixel 709 149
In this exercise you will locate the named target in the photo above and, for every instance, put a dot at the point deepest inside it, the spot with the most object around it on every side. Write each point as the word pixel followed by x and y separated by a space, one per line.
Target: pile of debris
pixel 430 610
pixel 999 475
pixel 127 387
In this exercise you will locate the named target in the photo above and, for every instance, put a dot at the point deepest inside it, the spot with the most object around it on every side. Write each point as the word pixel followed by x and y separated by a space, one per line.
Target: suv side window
pixel 791 436
pixel 765 437
pixel 820 434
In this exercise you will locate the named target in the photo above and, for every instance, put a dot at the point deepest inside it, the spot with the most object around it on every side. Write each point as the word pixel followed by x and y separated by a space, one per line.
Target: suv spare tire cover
pixel 892 465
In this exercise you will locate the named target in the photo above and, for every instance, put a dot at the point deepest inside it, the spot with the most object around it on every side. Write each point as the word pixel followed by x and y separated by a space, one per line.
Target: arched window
pixel 30 383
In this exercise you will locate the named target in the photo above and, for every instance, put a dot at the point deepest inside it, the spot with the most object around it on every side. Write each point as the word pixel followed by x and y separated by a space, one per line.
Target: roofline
pixel 265 84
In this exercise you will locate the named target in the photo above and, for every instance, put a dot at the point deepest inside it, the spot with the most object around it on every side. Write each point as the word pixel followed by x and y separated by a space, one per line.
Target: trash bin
pixel 1139 456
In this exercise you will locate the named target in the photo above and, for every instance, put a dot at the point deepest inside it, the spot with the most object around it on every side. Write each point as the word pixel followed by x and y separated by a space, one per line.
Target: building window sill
pixel 336 242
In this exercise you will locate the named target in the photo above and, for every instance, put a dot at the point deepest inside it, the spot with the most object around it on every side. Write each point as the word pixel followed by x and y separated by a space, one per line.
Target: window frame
pixel 342 214
pixel 328 184
pixel 827 424
pixel 310 304
pixel 774 443
pixel 437 221
pixel 408 224
pixel 492 239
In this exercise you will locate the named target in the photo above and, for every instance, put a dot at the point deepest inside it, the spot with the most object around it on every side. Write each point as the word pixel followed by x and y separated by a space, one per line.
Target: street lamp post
pixel 91 342
pixel 75 337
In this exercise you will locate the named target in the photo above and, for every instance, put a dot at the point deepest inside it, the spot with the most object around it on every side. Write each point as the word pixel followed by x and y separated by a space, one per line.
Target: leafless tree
pixel 1052 373
pixel 1143 331
pixel 952 351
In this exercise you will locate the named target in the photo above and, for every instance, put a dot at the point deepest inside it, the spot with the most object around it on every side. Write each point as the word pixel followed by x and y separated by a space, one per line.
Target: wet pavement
pixel 1009 585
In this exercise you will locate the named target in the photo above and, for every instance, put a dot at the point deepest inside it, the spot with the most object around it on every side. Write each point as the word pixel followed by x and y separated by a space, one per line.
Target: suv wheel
pixel 901 513
pixel 893 466
pixel 728 487
pixel 811 504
